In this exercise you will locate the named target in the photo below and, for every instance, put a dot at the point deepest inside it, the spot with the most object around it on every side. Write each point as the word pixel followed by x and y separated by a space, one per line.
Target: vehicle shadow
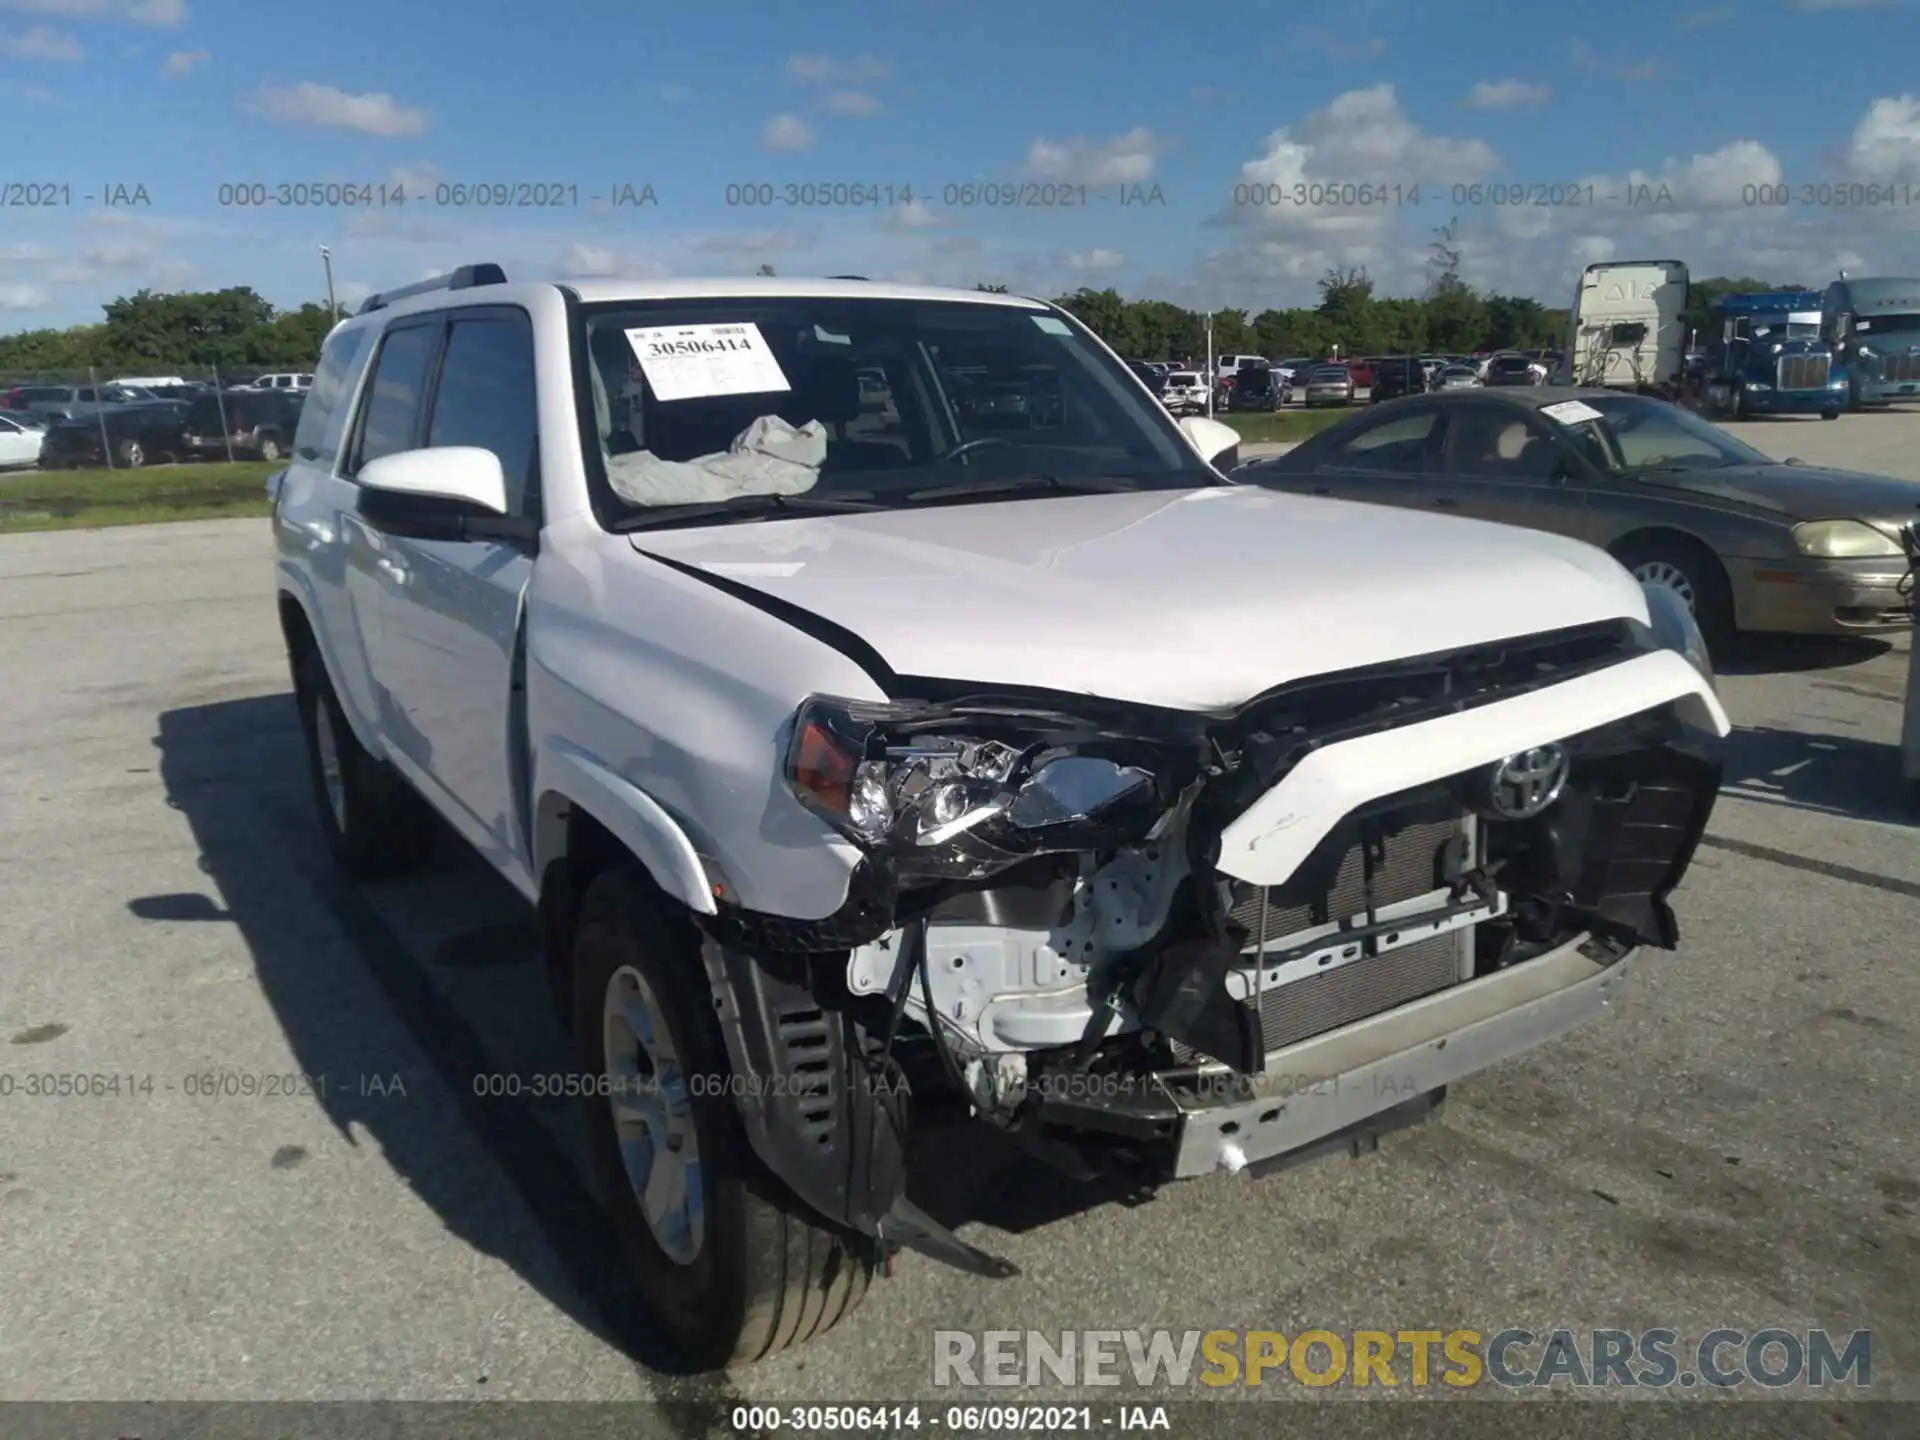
pixel 1830 774
pixel 237 771
pixel 1796 654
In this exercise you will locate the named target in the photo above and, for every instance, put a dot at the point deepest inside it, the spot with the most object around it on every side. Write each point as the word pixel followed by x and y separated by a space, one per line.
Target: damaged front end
pixel 1136 941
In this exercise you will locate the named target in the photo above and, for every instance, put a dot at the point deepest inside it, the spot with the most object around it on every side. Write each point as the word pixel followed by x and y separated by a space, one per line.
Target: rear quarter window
pixel 318 438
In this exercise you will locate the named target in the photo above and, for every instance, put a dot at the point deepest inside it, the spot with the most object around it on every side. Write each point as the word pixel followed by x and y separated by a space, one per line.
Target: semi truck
pixel 1873 325
pixel 1764 356
pixel 1626 330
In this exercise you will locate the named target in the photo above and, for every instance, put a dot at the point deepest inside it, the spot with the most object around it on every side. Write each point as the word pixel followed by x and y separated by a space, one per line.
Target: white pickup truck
pixel 853 754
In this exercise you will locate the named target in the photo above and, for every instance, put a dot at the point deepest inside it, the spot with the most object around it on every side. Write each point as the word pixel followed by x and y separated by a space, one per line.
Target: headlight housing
pixel 1842 540
pixel 1674 628
pixel 957 793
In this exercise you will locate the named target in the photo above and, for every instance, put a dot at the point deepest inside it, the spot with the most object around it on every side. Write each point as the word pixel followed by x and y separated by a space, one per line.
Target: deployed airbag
pixel 769 457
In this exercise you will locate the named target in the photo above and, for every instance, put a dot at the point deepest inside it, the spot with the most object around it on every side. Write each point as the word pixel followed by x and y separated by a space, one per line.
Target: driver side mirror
pixel 461 473
pixel 1218 444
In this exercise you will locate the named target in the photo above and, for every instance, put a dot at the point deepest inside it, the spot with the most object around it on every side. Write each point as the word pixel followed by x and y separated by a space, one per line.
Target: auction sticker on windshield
pixel 690 362
pixel 1571 412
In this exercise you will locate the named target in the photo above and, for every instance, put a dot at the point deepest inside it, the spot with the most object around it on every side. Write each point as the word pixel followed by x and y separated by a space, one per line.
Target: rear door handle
pixel 1446 502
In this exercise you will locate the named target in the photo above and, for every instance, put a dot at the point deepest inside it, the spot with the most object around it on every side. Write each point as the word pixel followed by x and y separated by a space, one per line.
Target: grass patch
pixel 1284 425
pixel 80 499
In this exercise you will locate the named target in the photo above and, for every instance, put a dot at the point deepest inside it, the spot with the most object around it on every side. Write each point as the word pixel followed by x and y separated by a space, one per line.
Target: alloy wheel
pixel 652 1116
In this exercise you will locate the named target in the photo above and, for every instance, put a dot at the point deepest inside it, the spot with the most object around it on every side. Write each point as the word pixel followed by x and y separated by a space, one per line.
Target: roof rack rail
pixel 464 278
pixel 846 277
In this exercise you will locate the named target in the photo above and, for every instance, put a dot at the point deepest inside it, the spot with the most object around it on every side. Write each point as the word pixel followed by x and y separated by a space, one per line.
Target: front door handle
pixel 1446 502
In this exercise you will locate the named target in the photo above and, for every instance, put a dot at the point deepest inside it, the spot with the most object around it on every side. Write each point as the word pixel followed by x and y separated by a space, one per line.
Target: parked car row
pixel 55 401
pixel 244 424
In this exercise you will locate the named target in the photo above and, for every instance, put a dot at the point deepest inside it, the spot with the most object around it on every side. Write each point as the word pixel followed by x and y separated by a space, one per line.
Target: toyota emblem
pixel 1521 786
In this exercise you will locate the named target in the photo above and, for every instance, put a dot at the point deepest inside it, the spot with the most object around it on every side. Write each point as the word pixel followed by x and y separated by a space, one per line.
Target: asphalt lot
pixel 1735 1147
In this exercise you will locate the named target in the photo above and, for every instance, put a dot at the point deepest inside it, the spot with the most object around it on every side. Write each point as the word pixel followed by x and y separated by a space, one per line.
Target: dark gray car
pixel 1748 542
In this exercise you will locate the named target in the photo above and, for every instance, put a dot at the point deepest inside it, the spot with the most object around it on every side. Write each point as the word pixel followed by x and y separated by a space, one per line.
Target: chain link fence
pixel 151 412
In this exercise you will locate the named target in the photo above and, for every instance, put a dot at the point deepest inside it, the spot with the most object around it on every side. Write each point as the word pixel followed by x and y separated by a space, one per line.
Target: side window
pixel 1498 444
pixel 390 418
pixel 486 398
pixel 339 362
pixel 1398 444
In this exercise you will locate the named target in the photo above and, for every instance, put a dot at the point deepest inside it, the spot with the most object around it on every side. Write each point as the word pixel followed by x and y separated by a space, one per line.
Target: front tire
pixel 374 823
pixel 132 457
pixel 1829 414
pixel 729 1263
pixel 1692 572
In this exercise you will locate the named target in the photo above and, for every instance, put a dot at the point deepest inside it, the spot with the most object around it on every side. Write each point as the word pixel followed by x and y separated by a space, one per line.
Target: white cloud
pixel 1096 260
pixel 914 215
pixel 158 14
pixel 787 132
pixel 829 70
pixel 1885 145
pixel 598 262
pixel 22 297
pixel 375 113
pixel 853 103
pixel 349 294
pixel 1356 149
pixel 417 180
pixel 42 43
pixel 23 253
pixel 1505 94
pixel 1123 159
pixel 181 62
pixel 126 245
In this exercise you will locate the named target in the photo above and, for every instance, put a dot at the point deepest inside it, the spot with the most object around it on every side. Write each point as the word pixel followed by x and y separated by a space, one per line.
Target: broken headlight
pixel 954 794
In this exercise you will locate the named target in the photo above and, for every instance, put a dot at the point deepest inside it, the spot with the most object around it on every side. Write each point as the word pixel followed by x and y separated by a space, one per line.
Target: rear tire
pixel 755 1272
pixel 1694 573
pixel 374 823
pixel 132 457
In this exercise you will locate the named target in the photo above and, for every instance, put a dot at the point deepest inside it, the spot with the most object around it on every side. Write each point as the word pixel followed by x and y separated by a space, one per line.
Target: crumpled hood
pixel 1802 492
pixel 1190 600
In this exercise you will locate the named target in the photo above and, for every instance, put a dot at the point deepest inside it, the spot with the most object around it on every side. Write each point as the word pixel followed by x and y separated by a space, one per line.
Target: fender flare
pixel 296 587
pixel 633 817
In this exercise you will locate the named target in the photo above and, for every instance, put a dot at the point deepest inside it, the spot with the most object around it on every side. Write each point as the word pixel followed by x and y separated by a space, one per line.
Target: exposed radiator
pixel 1409 868
pixel 1290 1013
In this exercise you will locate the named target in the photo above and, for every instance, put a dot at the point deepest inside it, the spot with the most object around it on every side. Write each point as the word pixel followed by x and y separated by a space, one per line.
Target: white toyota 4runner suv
pixel 862 749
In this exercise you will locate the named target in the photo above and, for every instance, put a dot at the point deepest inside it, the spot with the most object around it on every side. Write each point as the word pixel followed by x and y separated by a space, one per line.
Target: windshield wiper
pixel 1026 485
pixel 747 507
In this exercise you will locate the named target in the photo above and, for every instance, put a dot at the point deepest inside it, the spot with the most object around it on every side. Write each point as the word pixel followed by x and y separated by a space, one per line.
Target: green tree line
pixel 235 329
pixel 232 329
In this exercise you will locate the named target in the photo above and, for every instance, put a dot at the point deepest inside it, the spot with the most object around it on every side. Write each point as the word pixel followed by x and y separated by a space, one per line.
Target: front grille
pixel 1323 1002
pixel 1803 372
pixel 1901 367
pixel 1409 868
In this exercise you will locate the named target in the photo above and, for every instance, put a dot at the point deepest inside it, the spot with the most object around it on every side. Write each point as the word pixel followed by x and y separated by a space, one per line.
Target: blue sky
pixel 181 97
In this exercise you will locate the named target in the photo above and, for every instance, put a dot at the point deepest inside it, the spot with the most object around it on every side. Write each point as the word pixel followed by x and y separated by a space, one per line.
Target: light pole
pixel 333 310
pixel 1209 372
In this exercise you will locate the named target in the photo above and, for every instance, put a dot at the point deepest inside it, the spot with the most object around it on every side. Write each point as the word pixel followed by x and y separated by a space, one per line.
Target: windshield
pixel 1887 324
pixel 714 400
pixel 1637 435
